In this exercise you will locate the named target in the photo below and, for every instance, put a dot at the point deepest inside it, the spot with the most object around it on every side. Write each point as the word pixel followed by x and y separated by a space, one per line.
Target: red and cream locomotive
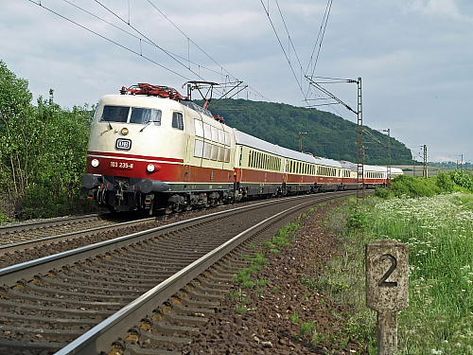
pixel 150 148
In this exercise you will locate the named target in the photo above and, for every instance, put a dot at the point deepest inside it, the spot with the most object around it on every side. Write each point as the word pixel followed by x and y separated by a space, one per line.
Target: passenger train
pixel 152 149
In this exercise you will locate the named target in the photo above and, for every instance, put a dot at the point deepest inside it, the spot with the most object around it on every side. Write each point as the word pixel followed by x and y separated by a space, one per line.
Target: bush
pixel 445 182
pixel 384 192
pixel 462 179
pixel 414 186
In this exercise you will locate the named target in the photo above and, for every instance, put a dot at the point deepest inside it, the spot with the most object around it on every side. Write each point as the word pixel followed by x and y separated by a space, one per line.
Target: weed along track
pixel 47 303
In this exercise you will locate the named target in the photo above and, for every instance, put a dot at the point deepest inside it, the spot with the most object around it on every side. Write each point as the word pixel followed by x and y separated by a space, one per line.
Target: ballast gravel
pixel 268 326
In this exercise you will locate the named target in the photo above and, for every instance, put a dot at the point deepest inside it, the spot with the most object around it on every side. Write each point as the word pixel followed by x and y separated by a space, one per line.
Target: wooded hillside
pixel 328 135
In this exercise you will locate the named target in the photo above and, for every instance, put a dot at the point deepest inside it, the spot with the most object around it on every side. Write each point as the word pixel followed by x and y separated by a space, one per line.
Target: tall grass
pixel 439 233
pixel 411 186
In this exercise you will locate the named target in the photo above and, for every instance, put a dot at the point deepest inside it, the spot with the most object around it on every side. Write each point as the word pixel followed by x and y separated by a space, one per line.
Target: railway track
pixel 30 231
pixel 95 292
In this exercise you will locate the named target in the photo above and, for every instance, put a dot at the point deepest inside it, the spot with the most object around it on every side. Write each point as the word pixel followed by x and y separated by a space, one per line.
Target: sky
pixel 415 57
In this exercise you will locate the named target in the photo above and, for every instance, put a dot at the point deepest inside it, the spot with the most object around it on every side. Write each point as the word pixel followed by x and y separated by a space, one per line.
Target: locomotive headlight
pixel 150 168
pixel 95 163
pixel 124 131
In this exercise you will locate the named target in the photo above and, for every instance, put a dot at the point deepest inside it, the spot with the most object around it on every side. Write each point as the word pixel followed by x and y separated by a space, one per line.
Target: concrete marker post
pixel 387 285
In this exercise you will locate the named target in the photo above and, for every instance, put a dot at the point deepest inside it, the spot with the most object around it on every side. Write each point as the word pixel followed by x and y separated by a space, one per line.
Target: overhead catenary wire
pixel 190 40
pixel 320 38
pixel 107 39
pixel 143 40
pixel 289 36
pixel 266 10
pixel 312 64
pixel 149 39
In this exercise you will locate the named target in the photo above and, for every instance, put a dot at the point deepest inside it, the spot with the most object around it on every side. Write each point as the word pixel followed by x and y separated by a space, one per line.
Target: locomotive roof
pixel 140 100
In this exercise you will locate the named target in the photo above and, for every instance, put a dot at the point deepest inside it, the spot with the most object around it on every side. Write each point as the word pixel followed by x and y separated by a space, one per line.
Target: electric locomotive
pixel 152 148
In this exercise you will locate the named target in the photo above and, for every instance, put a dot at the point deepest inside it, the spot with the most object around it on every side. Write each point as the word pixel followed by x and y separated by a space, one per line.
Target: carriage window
pixel 199 131
pixel 177 120
pixel 221 154
pixel 207 150
pixel 115 113
pixel 145 115
pixel 198 148
pixel 221 137
pixel 214 155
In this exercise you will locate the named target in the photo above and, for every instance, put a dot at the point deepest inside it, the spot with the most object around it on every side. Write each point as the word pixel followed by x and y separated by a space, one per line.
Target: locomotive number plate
pixel 121 165
pixel 123 144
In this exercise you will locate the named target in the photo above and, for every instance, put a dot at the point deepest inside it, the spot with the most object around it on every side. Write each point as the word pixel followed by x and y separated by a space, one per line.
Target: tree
pixel 16 131
pixel 42 151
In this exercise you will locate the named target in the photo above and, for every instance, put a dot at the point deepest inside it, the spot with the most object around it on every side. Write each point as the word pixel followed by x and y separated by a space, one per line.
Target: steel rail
pixel 57 221
pixel 26 270
pixel 103 334
pixel 23 244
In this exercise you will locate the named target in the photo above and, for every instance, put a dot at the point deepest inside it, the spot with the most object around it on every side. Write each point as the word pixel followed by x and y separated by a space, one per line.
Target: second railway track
pixel 49 302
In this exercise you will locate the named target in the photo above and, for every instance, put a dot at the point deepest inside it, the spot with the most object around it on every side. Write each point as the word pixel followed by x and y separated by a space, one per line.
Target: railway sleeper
pixel 207 290
pixel 50 320
pixel 35 296
pixel 195 302
pixel 110 275
pixel 164 327
pixel 184 319
pixel 9 305
pixel 85 288
pixel 60 333
pixel 209 283
pixel 132 349
pixel 203 296
pixel 18 347
pixel 143 286
pixel 185 309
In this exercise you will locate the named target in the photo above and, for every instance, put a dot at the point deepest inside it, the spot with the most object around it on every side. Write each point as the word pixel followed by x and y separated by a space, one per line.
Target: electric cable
pixel 107 39
pixel 282 47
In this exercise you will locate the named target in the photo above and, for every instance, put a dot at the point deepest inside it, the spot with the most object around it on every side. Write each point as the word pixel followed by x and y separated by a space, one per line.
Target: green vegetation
pixel 308 328
pixel 445 182
pixel 248 277
pixel 328 135
pixel 439 232
pixel 42 152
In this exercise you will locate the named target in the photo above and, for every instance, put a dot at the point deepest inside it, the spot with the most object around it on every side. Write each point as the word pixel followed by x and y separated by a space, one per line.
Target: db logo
pixel 123 144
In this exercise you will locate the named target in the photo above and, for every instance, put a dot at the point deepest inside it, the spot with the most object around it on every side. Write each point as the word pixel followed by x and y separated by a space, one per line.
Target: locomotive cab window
pixel 177 120
pixel 115 114
pixel 138 115
pixel 145 115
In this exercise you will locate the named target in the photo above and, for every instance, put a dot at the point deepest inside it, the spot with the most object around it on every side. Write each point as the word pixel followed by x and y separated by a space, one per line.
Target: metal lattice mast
pixel 425 172
pixel 360 142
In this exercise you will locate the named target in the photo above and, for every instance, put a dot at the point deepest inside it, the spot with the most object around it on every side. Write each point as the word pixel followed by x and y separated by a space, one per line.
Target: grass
pixel 439 233
pixel 247 278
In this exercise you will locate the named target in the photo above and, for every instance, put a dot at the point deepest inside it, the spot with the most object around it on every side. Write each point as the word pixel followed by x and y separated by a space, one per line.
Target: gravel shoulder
pixel 288 314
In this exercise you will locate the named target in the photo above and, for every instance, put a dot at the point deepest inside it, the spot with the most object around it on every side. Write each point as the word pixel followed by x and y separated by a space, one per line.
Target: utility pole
pixel 51 96
pixel 461 164
pixel 425 172
pixel 360 141
pixel 301 140
pixel 359 121
pixel 388 166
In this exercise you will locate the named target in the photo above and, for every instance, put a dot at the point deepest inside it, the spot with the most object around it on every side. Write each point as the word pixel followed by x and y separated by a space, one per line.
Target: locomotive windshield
pixel 145 115
pixel 115 113
pixel 131 115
